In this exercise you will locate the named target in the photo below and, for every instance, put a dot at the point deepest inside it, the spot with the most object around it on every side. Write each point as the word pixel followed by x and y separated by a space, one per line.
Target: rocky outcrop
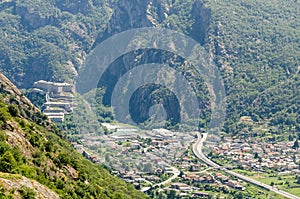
pixel 8 87
pixel 201 17
pixel 16 136
pixel 12 183
pixel 74 7
pixel 33 19
pixel 133 14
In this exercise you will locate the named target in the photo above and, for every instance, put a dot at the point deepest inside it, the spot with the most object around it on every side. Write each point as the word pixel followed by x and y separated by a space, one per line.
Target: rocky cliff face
pixel 155 13
pixel 50 39
pixel 201 16
pixel 192 18
pixel 7 87
pixel 134 14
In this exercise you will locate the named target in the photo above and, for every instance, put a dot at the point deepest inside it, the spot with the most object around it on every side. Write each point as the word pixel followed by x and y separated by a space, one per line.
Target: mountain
pixel 255 45
pixel 37 162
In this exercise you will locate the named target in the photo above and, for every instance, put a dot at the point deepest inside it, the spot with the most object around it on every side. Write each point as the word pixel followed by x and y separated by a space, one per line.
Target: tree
pixel 172 194
pixel 287 183
pixel 49 146
pixel 272 184
pixel 296 145
pixel 238 195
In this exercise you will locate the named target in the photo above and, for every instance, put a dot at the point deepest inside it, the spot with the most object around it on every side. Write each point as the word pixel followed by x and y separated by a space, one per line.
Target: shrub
pixel 7 162
pixel 4 147
pixel 4 115
pixel 26 193
pixel 3 136
pixel 34 140
pixel 13 110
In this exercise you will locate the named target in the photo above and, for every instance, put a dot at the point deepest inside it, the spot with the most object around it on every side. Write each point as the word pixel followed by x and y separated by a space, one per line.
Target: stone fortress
pixel 59 98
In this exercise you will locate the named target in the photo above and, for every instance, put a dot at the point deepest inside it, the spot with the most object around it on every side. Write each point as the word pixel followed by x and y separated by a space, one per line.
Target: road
pixel 197 149
pixel 176 173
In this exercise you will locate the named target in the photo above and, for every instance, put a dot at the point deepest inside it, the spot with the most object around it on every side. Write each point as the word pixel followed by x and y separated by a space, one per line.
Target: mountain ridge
pixel 253 43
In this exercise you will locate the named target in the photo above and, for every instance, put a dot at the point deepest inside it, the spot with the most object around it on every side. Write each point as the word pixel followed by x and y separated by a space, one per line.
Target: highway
pixel 197 149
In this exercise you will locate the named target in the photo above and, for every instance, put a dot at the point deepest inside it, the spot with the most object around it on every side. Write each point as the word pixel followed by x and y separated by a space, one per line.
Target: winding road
pixel 197 149
pixel 175 172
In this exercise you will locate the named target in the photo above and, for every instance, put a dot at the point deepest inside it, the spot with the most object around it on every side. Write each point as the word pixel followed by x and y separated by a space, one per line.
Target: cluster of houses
pixel 183 190
pixel 59 98
pixel 195 177
pixel 198 173
pixel 260 156
pixel 143 158
pixel 158 147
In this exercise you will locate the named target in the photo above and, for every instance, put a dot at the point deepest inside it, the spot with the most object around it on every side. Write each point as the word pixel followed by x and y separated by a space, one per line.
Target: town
pixel 162 161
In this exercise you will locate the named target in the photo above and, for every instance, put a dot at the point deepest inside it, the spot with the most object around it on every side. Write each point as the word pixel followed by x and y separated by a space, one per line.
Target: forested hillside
pixel 37 162
pixel 255 44
pixel 49 38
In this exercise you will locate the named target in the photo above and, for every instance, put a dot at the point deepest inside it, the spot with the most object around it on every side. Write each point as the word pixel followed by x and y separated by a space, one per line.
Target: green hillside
pixel 32 147
pixel 255 44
